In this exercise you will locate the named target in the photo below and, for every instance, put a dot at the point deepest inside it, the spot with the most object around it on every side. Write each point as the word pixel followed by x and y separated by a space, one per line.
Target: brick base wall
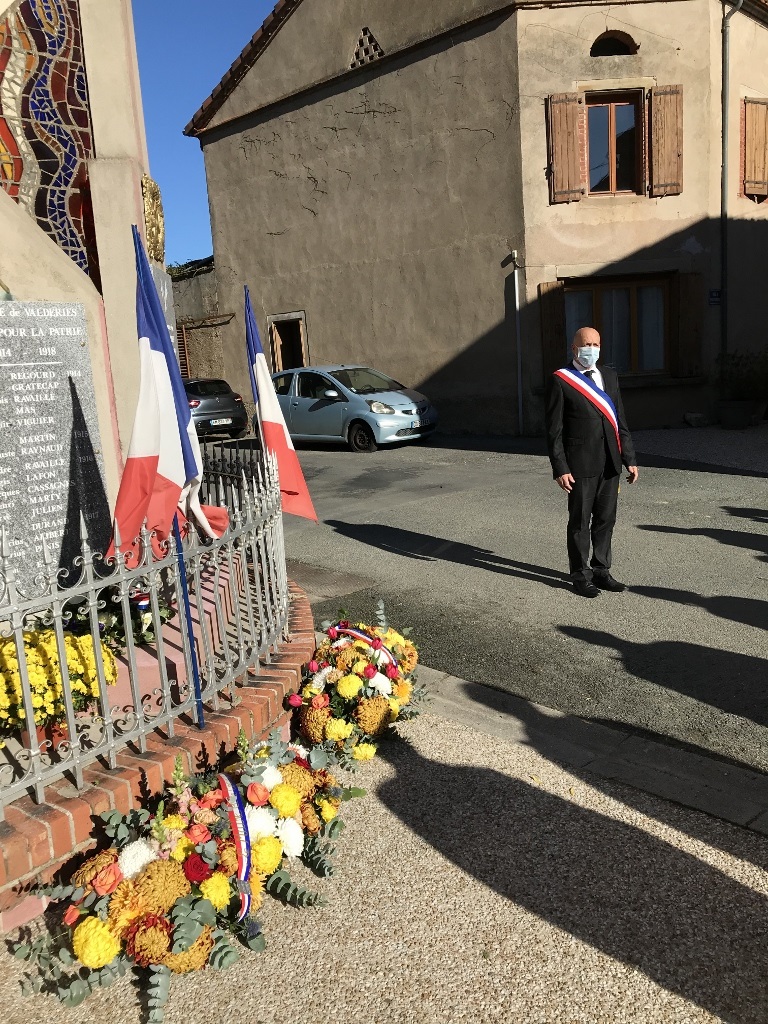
pixel 36 839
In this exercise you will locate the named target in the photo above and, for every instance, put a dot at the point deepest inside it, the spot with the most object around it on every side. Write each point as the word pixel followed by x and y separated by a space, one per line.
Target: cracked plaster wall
pixel 384 209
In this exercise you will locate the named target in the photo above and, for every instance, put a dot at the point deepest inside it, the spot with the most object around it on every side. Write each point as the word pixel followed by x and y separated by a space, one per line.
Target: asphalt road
pixel 466 544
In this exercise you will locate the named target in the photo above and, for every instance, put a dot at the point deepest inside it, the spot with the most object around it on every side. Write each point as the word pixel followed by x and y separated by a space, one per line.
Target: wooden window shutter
pixel 667 140
pixel 183 350
pixel 553 341
pixel 755 147
pixel 687 309
pixel 565 110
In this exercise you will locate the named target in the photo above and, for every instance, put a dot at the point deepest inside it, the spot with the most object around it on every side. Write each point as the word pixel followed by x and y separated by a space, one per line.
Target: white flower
pixel 135 857
pixel 261 822
pixel 381 684
pixel 290 834
pixel 319 678
pixel 342 642
pixel 271 777
pixel 382 658
pixel 260 746
pixel 299 751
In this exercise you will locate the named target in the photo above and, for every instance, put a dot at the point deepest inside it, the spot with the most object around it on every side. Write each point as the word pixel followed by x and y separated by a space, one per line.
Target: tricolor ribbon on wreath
pixel 587 387
pixel 358 634
pixel 241 839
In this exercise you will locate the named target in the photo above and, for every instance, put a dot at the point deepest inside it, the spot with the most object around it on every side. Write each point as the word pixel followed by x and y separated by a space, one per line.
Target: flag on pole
pixel 164 466
pixel 274 432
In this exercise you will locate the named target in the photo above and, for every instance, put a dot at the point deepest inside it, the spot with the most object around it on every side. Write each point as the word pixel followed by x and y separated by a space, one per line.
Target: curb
pixel 719 788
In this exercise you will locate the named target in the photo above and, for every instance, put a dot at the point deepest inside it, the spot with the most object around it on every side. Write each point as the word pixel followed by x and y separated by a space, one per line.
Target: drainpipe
pixel 726 93
pixel 519 343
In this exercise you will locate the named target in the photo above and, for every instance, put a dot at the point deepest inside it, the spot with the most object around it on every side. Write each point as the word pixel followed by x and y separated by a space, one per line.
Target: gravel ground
pixel 480 882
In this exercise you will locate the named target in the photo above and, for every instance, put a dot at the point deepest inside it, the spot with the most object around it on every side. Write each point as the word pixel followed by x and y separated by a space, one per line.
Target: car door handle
pixel 294 403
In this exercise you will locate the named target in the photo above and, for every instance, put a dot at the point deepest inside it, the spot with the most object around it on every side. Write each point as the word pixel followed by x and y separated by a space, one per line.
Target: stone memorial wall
pixel 51 465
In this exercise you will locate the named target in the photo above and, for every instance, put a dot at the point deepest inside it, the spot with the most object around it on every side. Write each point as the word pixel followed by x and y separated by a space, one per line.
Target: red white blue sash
pixel 587 387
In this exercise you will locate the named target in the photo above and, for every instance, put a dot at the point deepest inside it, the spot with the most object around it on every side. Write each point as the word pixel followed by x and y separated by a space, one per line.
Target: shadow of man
pixel 757 542
pixel 643 902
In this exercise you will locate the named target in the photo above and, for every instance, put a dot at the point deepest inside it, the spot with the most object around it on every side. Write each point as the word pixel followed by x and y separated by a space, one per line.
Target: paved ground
pixel 465 542
pixel 480 882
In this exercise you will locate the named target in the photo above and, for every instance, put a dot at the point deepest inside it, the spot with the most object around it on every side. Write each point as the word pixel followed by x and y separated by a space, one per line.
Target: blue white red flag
pixel 163 467
pixel 274 432
pixel 599 398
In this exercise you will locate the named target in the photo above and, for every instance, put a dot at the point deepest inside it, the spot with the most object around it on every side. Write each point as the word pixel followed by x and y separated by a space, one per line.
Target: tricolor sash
pixel 587 387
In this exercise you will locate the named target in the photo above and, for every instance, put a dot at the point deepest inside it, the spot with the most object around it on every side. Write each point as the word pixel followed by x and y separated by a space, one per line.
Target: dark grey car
pixel 216 408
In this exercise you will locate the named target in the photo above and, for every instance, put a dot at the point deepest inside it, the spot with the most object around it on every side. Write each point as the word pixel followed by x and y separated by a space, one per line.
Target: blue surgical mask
pixel 588 356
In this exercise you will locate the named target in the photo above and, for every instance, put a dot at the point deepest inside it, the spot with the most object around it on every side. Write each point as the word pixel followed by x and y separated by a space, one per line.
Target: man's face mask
pixel 588 356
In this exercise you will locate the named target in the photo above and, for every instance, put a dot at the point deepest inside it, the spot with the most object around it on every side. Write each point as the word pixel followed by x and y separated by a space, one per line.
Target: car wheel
pixel 237 434
pixel 361 438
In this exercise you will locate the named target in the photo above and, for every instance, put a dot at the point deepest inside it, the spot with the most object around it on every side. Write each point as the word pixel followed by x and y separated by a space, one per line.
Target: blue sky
pixel 185 47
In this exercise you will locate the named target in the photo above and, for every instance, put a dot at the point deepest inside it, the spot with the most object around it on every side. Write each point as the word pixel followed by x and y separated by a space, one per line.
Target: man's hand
pixel 632 474
pixel 566 481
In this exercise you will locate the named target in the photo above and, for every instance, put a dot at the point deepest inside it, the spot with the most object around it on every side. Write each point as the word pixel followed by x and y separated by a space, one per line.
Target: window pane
pixel 599 177
pixel 626 147
pixel 650 327
pixel 616 332
pixel 578 313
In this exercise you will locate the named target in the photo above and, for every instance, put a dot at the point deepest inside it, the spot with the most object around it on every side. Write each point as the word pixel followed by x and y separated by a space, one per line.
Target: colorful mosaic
pixel 45 123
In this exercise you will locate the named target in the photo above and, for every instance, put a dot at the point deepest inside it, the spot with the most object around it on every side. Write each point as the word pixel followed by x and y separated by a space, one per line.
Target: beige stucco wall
pixel 385 209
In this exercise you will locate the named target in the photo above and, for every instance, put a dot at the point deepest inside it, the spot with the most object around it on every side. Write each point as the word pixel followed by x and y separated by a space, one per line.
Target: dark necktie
pixel 589 373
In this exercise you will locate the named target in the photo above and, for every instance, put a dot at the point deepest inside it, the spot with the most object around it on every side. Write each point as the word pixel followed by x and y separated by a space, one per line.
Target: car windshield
pixel 204 388
pixel 364 381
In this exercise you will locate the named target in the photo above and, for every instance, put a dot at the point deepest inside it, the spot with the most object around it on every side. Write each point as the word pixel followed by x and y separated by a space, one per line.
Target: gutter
pixel 726 95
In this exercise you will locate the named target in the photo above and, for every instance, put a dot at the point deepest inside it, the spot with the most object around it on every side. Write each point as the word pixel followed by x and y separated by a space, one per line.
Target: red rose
pixel 333 633
pixel 369 671
pixel 313 666
pixel 198 834
pixel 196 869
pixel 295 700
pixel 211 800
pixel 321 700
pixel 107 880
pixel 391 671
pixel 344 624
pixel 302 763
pixel 257 794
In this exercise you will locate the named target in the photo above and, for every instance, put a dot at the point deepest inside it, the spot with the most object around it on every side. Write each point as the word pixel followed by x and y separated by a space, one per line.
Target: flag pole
pixel 188 618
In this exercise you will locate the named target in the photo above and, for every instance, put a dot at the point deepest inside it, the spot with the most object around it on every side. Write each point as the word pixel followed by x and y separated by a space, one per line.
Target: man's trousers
pixel 591 517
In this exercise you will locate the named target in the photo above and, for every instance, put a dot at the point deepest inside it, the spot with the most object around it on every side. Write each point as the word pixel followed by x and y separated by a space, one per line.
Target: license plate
pixel 220 423
pixel 417 424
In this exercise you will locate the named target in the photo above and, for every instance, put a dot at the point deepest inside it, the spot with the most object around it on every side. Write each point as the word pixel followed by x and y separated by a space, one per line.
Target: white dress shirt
pixel 597 377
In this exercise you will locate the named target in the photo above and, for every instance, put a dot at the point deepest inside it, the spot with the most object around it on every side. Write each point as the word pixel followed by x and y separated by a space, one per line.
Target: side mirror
pixel 331 395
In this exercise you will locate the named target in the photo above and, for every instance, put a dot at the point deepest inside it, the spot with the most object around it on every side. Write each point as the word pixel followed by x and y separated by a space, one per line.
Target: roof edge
pixel 240 68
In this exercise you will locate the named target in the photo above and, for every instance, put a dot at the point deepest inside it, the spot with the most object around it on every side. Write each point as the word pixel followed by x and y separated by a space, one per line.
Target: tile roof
pixel 243 64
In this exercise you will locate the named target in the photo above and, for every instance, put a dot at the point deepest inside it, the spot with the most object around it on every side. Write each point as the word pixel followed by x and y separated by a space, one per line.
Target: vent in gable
pixel 367 50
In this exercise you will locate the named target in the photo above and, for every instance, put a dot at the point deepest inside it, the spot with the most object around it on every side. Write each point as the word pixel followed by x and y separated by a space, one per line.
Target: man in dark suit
pixel 588 441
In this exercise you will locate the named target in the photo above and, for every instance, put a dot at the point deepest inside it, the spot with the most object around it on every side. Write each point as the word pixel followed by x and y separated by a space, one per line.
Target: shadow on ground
pixel 684 924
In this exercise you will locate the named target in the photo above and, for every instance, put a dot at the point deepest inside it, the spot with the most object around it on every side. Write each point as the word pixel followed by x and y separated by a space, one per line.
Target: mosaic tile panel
pixel 45 123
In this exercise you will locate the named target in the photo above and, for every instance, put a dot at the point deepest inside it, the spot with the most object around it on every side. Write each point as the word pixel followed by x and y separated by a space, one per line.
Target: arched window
pixel 614 44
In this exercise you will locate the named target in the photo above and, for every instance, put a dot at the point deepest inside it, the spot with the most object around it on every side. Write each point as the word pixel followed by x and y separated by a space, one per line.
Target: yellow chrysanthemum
pixel 394 708
pixel 285 799
pixel 402 691
pixel 256 883
pixel 174 821
pixel 337 730
pixel 124 908
pixel 216 889
pixel 183 848
pixel 364 751
pixel 160 884
pixel 349 686
pixel 359 667
pixel 300 778
pixel 228 860
pixel 266 854
pixel 93 943
pixel 193 959
pixel 328 810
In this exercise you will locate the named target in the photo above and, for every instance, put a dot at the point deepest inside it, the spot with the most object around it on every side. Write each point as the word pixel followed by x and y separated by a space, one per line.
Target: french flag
pixel 293 487
pixel 163 468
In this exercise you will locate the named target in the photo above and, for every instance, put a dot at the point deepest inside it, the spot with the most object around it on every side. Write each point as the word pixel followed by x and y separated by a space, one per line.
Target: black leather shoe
pixel 586 589
pixel 607 582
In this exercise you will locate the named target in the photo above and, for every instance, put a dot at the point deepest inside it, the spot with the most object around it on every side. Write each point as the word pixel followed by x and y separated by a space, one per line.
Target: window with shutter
pixel 554 346
pixel 755 147
pixel 667 140
pixel 565 110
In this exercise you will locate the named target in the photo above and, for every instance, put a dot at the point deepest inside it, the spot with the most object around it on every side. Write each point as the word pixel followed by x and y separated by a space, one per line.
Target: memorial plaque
pixel 51 465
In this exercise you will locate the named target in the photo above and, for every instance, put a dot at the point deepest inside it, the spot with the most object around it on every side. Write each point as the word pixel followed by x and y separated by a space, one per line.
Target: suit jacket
pixel 579 438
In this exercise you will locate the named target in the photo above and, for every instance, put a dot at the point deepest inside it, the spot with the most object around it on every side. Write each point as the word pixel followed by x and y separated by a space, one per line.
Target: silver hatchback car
pixel 352 404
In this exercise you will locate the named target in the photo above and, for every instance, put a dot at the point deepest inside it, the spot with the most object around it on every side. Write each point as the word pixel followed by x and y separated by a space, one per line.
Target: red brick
pixel 118 787
pixel 148 777
pixel 22 912
pixel 58 824
pixel 16 859
pixel 34 834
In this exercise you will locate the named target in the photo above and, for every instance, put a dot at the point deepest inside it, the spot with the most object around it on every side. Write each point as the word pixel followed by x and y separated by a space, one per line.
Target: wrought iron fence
pixel 90 670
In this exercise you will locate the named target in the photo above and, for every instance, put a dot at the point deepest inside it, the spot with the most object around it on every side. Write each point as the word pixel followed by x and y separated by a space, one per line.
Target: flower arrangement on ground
pixel 360 680
pixel 176 884
pixel 42 659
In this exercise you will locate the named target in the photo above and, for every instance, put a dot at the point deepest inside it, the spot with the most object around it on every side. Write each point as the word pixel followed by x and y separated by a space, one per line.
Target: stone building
pixel 73 178
pixel 377 171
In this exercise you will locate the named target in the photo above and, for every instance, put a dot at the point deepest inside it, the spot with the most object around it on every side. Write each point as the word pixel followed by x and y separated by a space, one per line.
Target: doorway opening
pixel 288 341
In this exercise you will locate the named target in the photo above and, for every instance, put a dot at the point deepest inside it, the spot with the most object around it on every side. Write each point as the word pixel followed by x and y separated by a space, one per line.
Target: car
pixel 216 408
pixel 352 404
